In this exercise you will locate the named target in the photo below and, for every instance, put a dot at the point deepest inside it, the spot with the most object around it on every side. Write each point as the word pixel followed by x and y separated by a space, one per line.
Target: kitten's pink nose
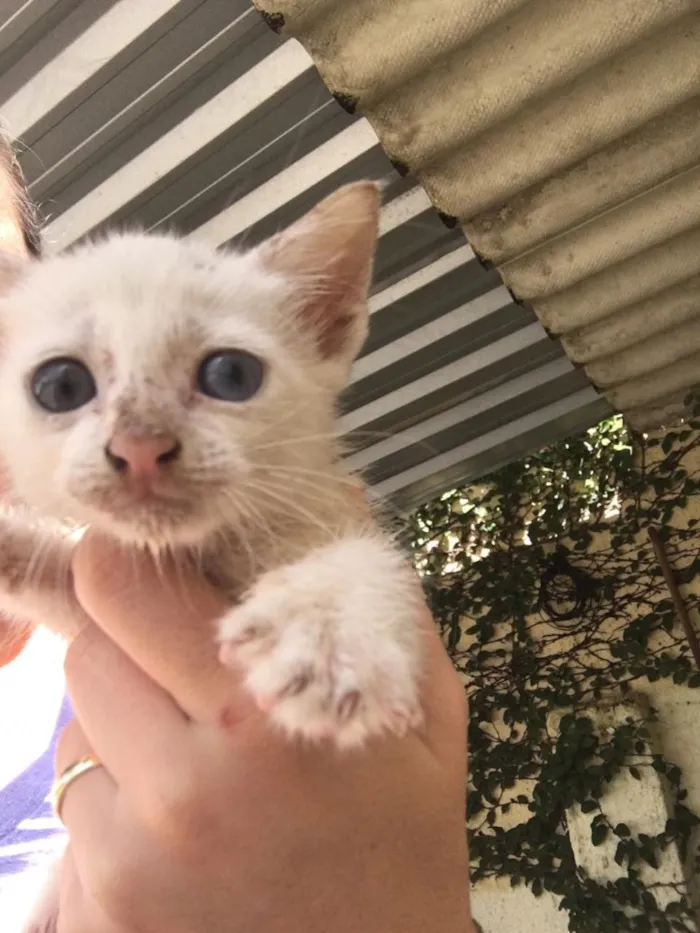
pixel 141 456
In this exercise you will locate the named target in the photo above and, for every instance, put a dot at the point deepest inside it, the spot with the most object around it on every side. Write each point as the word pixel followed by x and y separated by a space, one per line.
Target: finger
pixel 71 746
pixel 100 829
pixel 163 618
pixel 73 915
pixel 79 912
pixel 88 804
pixel 134 727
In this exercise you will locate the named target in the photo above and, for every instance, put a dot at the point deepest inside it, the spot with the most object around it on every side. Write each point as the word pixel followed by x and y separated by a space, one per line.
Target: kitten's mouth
pixel 142 490
pixel 169 512
pixel 141 506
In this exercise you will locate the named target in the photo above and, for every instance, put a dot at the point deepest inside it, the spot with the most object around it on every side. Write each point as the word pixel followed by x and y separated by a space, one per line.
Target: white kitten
pixel 183 398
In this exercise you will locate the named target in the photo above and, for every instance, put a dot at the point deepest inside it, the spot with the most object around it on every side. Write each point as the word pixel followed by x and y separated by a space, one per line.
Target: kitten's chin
pixel 161 536
pixel 158 535
pixel 156 525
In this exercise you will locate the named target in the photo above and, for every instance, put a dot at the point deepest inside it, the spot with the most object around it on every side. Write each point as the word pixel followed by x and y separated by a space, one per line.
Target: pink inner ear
pixel 332 334
pixel 331 314
pixel 328 257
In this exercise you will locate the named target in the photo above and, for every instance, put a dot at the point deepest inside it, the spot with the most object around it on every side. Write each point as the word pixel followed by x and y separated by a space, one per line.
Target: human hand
pixel 204 820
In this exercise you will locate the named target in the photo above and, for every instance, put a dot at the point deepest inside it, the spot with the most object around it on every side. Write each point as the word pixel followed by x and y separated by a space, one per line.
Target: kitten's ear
pixel 327 257
pixel 12 268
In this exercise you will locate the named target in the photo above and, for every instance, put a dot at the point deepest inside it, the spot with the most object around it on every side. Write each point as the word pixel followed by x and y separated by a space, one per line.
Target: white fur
pixel 325 609
pixel 326 645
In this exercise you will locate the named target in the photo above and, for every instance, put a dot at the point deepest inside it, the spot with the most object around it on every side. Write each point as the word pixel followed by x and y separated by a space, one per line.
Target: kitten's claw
pixel 332 660
pixel 297 685
pixel 253 636
pixel 349 705
pixel 248 634
pixel 404 721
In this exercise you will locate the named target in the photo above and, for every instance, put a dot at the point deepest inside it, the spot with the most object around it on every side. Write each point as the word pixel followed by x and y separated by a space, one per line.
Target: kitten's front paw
pixel 331 654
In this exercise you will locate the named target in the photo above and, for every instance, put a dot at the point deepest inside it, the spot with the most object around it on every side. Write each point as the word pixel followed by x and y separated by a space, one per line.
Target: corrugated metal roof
pixel 194 114
pixel 565 138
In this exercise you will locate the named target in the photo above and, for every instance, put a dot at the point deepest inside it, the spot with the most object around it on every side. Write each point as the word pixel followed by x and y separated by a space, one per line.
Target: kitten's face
pixel 161 391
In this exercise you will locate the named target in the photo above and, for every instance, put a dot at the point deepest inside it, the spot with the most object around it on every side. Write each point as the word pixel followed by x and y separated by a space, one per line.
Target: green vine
pixel 551 600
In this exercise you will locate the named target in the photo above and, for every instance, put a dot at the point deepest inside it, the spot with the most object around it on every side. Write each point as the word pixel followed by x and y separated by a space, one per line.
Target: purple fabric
pixel 24 802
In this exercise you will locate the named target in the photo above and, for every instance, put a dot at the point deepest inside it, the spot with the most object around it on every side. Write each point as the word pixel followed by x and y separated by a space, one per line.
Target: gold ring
pixel 64 781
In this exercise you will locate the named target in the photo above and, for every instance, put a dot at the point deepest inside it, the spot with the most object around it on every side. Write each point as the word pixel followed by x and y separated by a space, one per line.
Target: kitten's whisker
pixel 257 519
pixel 346 440
pixel 279 494
pixel 322 490
pixel 244 508
pixel 292 441
pixel 35 577
pixel 375 436
pixel 337 491
pixel 311 492
pixel 248 511
pixel 293 469
pixel 39 560
pixel 134 555
pixel 180 566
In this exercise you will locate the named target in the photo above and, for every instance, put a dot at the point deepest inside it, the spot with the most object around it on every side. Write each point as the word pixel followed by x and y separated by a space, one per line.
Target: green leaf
pixel 649 901
pixel 599 834
pixel 674 775
pixel 649 856
pixel 620 853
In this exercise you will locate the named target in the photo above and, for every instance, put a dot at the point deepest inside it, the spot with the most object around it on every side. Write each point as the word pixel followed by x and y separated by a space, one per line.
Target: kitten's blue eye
pixel 230 375
pixel 63 385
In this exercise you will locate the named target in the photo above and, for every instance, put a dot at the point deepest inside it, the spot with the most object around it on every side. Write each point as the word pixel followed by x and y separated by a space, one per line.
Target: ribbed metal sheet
pixel 565 138
pixel 194 114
